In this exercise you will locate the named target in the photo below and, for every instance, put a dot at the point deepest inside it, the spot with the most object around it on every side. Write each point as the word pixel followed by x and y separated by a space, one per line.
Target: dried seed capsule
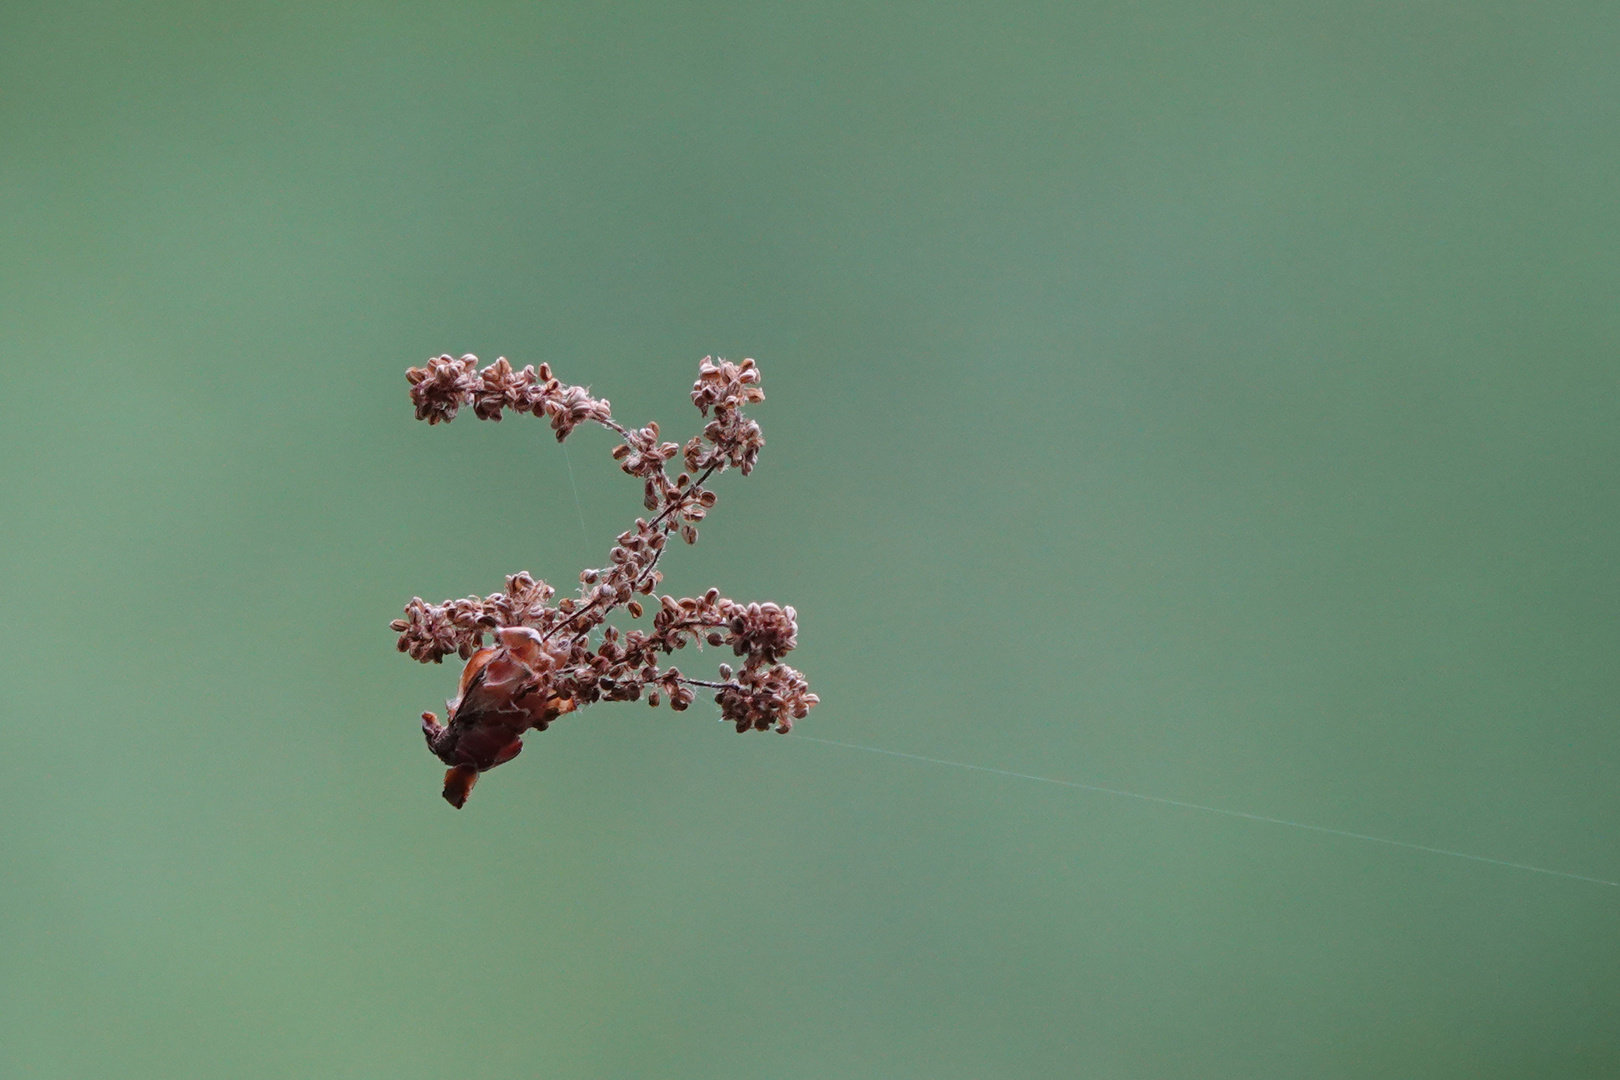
pixel 635 610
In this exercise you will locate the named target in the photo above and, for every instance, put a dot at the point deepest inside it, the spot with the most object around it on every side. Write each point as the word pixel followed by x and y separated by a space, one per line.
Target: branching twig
pixel 541 663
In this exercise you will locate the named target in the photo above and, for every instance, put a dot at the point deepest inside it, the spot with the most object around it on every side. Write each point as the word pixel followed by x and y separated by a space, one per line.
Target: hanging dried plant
pixel 542 659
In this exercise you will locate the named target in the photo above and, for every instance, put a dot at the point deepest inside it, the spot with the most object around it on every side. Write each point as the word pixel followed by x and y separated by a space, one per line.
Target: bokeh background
pixel 1217 401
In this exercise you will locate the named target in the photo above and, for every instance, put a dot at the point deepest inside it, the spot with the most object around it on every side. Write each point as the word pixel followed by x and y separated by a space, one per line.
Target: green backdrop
pixel 1215 401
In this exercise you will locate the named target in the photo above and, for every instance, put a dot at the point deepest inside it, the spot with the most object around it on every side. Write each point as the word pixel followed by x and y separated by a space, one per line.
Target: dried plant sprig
pixel 545 660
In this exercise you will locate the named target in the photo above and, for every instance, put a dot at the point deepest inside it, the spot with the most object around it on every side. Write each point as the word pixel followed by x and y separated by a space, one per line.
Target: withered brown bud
pixel 445 385
pixel 501 388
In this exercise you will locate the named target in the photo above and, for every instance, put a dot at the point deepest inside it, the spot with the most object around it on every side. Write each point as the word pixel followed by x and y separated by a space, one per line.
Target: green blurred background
pixel 1213 400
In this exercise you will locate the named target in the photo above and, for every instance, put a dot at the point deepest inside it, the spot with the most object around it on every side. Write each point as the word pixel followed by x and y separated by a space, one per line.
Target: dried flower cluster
pixel 448 384
pixel 546 659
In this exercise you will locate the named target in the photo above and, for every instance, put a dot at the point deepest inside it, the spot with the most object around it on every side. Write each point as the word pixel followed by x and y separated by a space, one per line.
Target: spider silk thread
pixel 1161 800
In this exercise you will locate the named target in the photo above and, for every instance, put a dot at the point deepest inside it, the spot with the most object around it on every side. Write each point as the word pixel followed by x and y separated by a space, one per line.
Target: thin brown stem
pixel 674 504
pixel 710 685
